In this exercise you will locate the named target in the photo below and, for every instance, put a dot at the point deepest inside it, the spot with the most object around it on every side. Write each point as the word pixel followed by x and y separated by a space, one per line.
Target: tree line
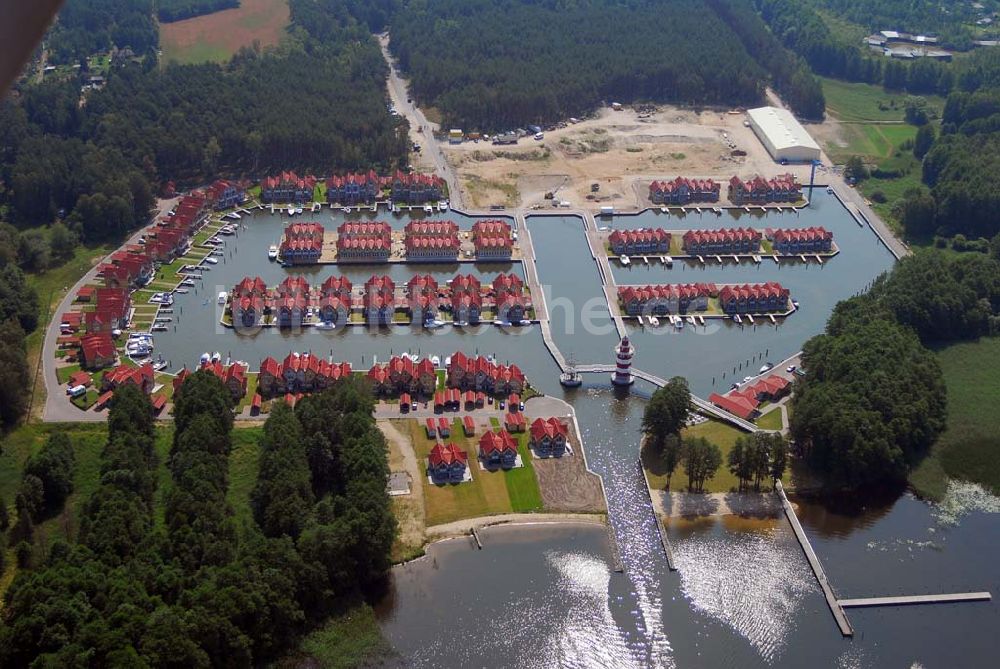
pixel 178 10
pixel 18 318
pixel 496 65
pixel 873 400
pixel 752 459
pixel 203 591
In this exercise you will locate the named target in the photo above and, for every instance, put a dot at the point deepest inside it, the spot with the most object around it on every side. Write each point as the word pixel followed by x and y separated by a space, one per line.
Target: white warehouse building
pixel 783 137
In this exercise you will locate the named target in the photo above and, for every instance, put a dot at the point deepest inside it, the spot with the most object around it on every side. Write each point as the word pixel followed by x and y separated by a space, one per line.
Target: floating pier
pixel 835 608
pixel 916 599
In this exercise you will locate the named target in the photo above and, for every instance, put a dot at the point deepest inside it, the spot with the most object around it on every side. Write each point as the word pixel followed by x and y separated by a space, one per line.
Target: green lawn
pixel 244 461
pixel 522 484
pixel 770 420
pixel 717 432
pixel 489 492
pixel 969 449
pixel 859 102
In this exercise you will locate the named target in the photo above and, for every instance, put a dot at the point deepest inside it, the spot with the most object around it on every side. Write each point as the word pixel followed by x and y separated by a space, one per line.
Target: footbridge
pixel 702 404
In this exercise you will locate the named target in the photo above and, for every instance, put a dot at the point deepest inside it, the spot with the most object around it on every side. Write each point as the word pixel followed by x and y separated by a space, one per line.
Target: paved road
pixel 398 93
pixel 57 406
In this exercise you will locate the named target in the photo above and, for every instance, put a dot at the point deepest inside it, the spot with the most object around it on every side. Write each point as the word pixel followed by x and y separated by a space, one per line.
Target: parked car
pixel 791 369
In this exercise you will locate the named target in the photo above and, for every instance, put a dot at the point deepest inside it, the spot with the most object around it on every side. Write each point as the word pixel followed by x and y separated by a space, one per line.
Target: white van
pixel 77 391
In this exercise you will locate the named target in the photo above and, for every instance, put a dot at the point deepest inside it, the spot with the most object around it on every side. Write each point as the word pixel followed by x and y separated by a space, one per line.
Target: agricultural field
pixel 216 37
pixel 969 449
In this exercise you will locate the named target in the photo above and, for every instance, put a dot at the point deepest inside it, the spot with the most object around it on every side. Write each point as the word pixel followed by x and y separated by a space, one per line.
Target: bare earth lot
pixel 617 150
pixel 216 37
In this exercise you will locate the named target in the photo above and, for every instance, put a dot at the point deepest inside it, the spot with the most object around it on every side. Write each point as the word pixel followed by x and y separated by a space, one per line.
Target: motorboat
pixel 443 206
pixel 216 357
pixel 829 190
pixel 654 321
pixel 160 365
pixel 347 210
pixel 159 327
pixel 571 378
pixel 678 322
pixel 766 367
pixel 298 210
pixel 436 361
pixel 428 209
pixel 212 261
pixel 182 291
pixel 205 357
pixel 272 252
pixel 624 260
pixel 668 261
pixel 223 296
pixel 326 325
pixel 433 324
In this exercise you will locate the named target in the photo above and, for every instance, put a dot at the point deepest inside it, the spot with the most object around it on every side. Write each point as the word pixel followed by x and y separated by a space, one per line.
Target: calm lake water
pixel 744 595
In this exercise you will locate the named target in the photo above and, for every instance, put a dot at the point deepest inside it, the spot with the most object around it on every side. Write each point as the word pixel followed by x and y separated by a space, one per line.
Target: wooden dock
pixel 835 608
pixel 916 599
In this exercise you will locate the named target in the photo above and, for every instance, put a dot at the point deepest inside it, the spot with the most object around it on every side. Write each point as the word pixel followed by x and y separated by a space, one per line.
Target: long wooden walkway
pixel 916 599
pixel 831 599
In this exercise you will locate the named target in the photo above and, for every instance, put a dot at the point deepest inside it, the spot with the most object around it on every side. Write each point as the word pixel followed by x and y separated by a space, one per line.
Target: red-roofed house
pixel 97 351
pixel 416 188
pixel 492 240
pixel 722 242
pixel 225 194
pixel 141 377
pixel 353 188
pixel 682 190
pixel 446 463
pixel 801 240
pixel 287 187
pixel 498 449
pixel 302 244
pixel 735 404
pixel 631 242
pixel 758 190
pixel 665 299
pixel 548 437
pixel 754 298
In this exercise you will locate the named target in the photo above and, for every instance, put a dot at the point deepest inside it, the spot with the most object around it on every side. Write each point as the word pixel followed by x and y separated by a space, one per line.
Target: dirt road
pixel 419 124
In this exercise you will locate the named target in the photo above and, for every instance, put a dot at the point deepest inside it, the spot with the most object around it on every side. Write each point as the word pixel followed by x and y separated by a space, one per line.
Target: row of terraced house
pixel 770 297
pixel 423 300
pixel 299 373
pixel 758 190
pixel 353 188
pixel 301 244
pixel 481 374
pixel 683 190
pixel 663 299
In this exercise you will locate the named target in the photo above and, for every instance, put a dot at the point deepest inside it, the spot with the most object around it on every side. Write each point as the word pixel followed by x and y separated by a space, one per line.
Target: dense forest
pixel 496 64
pixel 178 10
pixel 801 28
pixel 99 165
pixel 18 318
pixel 193 588
pixel 873 400
pixel 85 27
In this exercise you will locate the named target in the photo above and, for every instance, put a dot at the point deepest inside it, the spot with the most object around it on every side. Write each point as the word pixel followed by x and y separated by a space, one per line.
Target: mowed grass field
pixel 489 492
pixel 216 37
pixel 969 449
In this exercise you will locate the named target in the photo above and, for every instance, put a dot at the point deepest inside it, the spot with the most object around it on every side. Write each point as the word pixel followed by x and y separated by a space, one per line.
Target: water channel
pixel 743 596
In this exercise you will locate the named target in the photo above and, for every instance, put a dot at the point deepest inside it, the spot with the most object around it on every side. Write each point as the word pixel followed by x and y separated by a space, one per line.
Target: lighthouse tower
pixel 623 363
